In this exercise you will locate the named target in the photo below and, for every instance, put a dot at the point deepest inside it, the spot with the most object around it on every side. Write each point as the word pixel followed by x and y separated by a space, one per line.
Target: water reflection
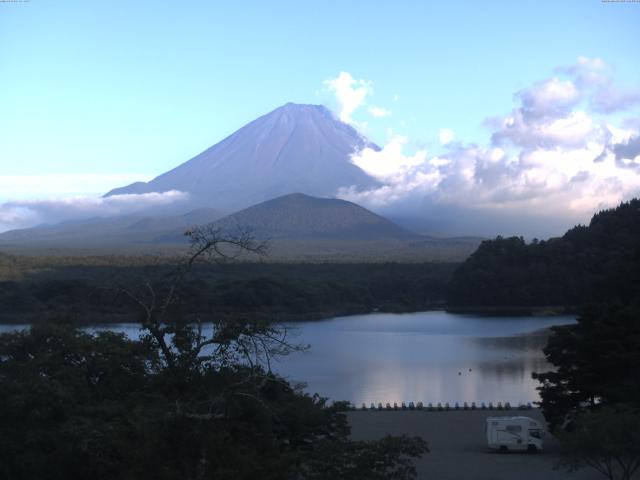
pixel 527 341
pixel 427 356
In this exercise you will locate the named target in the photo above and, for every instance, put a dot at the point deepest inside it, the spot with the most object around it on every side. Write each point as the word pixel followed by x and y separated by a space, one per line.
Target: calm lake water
pixel 426 356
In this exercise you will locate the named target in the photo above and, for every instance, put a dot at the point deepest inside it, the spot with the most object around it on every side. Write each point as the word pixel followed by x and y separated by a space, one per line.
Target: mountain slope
pixel 303 228
pixel 298 227
pixel 302 216
pixel 101 232
pixel 295 148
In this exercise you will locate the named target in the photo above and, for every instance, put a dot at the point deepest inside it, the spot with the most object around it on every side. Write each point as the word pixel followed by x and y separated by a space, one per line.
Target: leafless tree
pixel 185 343
pixel 185 346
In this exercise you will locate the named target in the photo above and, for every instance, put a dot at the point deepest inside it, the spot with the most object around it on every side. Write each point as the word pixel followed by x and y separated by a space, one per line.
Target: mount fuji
pixel 294 148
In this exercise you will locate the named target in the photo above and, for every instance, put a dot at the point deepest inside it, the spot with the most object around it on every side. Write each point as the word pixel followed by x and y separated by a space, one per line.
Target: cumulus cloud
pixel 596 79
pixel 588 72
pixel 389 161
pixel 574 129
pixel 350 93
pixel 27 213
pixel 610 99
pixel 627 153
pixel 554 156
pixel 549 97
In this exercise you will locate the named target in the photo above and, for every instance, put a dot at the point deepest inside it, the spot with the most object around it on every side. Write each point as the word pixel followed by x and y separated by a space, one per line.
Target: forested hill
pixel 301 216
pixel 591 263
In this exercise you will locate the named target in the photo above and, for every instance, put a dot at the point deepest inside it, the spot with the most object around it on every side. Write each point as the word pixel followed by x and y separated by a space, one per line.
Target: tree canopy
pixel 607 440
pixel 598 262
pixel 596 362
pixel 186 400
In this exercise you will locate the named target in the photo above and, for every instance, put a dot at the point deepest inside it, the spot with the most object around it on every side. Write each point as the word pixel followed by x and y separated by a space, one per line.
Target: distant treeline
pixel 594 263
pixel 96 293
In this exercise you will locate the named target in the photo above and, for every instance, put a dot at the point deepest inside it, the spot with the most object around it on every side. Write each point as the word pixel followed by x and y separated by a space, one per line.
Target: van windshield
pixel 535 433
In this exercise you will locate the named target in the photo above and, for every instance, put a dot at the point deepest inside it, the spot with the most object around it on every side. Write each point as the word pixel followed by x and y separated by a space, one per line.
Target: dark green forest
pixel 591 399
pixel 89 288
pixel 593 263
pixel 588 263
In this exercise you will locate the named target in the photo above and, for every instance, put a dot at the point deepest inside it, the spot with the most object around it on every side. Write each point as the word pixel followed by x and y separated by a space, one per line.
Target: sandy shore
pixel 458 446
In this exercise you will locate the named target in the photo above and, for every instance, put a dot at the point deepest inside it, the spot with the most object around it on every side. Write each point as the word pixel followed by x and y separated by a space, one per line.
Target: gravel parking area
pixel 459 448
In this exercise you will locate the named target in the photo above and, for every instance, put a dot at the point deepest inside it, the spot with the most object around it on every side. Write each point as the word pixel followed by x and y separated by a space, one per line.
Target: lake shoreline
pixel 515 310
pixel 94 318
pixel 428 356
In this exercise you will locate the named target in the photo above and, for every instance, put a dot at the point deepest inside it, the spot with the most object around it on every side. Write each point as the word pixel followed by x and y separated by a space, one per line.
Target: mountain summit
pixel 295 148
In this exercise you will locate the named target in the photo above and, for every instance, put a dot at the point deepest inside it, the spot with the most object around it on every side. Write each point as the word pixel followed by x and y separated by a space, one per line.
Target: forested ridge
pixel 590 263
pixel 591 399
pixel 89 288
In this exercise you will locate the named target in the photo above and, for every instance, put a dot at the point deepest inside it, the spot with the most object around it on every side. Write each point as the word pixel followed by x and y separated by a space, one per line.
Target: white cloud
pixel 610 99
pixel 552 183
pixel 554 158
pixel 350 93
pixel 588 72
pixel 379 112
pixel 595 77
pixel 575 129
pixel 27 213
pixel 445 136
pixel 548 98
pixel 23 187
pixel 390 161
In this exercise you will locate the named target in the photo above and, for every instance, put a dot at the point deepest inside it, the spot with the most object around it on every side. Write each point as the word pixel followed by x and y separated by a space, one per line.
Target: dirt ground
pixel 458 447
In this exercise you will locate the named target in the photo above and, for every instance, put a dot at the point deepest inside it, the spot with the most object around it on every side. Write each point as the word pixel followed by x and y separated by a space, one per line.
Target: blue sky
pixel 119 90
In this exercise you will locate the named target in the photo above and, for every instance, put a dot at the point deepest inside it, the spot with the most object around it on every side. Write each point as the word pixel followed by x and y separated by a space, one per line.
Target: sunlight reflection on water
pixel 425 356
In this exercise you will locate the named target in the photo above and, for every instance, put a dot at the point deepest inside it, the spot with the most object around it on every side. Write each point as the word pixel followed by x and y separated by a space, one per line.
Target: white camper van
pixel 514 434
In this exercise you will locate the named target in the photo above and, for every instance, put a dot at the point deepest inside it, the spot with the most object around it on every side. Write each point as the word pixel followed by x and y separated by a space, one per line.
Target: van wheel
pixel 503 449
pixel 532 449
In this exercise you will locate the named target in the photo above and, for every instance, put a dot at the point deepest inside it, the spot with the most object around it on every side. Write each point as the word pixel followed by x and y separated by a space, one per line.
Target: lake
pixel 426 356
